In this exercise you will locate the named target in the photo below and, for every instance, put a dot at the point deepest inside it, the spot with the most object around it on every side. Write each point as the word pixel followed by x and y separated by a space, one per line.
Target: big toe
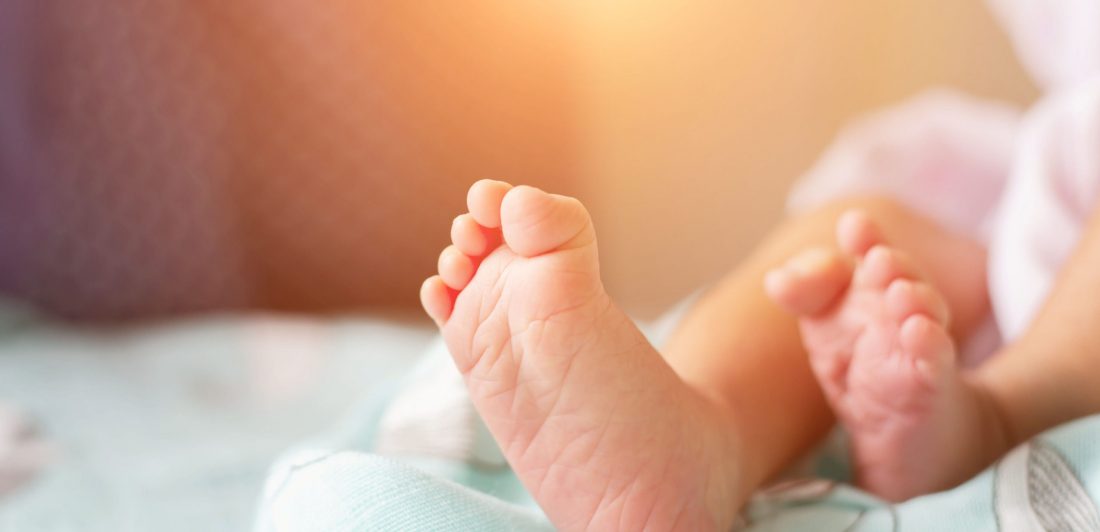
pixel 809 283
pixel 535 222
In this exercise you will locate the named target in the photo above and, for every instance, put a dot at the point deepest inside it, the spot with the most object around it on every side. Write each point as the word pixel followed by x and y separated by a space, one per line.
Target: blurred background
pixel 171 157
pixel 222 163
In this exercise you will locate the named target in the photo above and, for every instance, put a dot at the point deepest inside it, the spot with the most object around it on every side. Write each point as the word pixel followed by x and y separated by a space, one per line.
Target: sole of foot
pixel 594 422
pixel 877 336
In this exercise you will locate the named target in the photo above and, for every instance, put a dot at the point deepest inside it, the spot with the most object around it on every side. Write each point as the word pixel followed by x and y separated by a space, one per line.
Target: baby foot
pixel 878 343
pixel 593 421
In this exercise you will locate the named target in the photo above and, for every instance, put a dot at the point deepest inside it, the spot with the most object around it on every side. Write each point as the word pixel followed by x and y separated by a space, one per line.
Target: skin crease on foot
pixel 876 334
pixel 595 423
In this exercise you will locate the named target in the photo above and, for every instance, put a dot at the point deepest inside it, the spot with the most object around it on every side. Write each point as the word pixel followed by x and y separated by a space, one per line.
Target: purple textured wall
pixel 162 157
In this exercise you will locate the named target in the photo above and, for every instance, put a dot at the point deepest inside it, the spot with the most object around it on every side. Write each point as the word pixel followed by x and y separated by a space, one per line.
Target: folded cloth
pixel 411 457
pixel 341 482
pixel 348 491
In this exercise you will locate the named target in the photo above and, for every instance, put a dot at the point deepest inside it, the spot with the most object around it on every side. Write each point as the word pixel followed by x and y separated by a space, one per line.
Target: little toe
pixel 905 298
pixel 929 346
pixel 472 238
pixel 484 200
pixel 809 283
pixel 536 222
pixel 881 266
pixel 455 268
pixel 437 299
pixel 856 233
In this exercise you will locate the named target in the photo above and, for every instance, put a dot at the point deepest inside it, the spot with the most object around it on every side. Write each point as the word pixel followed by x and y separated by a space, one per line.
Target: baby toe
pixel 809 283
pixel 881 266
pixel 437 299
pixel 455 268
pixel 928 345
pixel 905 298
pixel 534 222
pixel 856 233
pixel 470 237
pixel 484 199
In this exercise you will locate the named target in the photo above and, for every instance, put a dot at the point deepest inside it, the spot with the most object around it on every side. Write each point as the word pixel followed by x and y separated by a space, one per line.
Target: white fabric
pixel 1051 194
pixel 943 153
pixel 1024 186
pixel 1058 41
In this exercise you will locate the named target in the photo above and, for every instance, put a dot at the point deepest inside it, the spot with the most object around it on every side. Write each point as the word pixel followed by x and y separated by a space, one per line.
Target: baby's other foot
pixel 876 334
pixel 593 421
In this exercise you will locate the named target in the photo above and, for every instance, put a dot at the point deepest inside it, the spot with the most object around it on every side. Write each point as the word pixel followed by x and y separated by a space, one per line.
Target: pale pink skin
pixel 607 436
pixel 876 334
pixel 604 433
pixel 592 419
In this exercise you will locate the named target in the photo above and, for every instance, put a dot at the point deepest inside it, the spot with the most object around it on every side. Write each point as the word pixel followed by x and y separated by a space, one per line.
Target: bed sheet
pixel 173 426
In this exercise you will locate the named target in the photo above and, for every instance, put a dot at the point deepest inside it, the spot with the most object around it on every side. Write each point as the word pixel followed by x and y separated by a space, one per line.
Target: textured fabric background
pixel 181 155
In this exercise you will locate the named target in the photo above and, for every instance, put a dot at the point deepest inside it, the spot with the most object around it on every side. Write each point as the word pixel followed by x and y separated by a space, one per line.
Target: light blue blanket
pixel 1050 484
pixel 175 427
